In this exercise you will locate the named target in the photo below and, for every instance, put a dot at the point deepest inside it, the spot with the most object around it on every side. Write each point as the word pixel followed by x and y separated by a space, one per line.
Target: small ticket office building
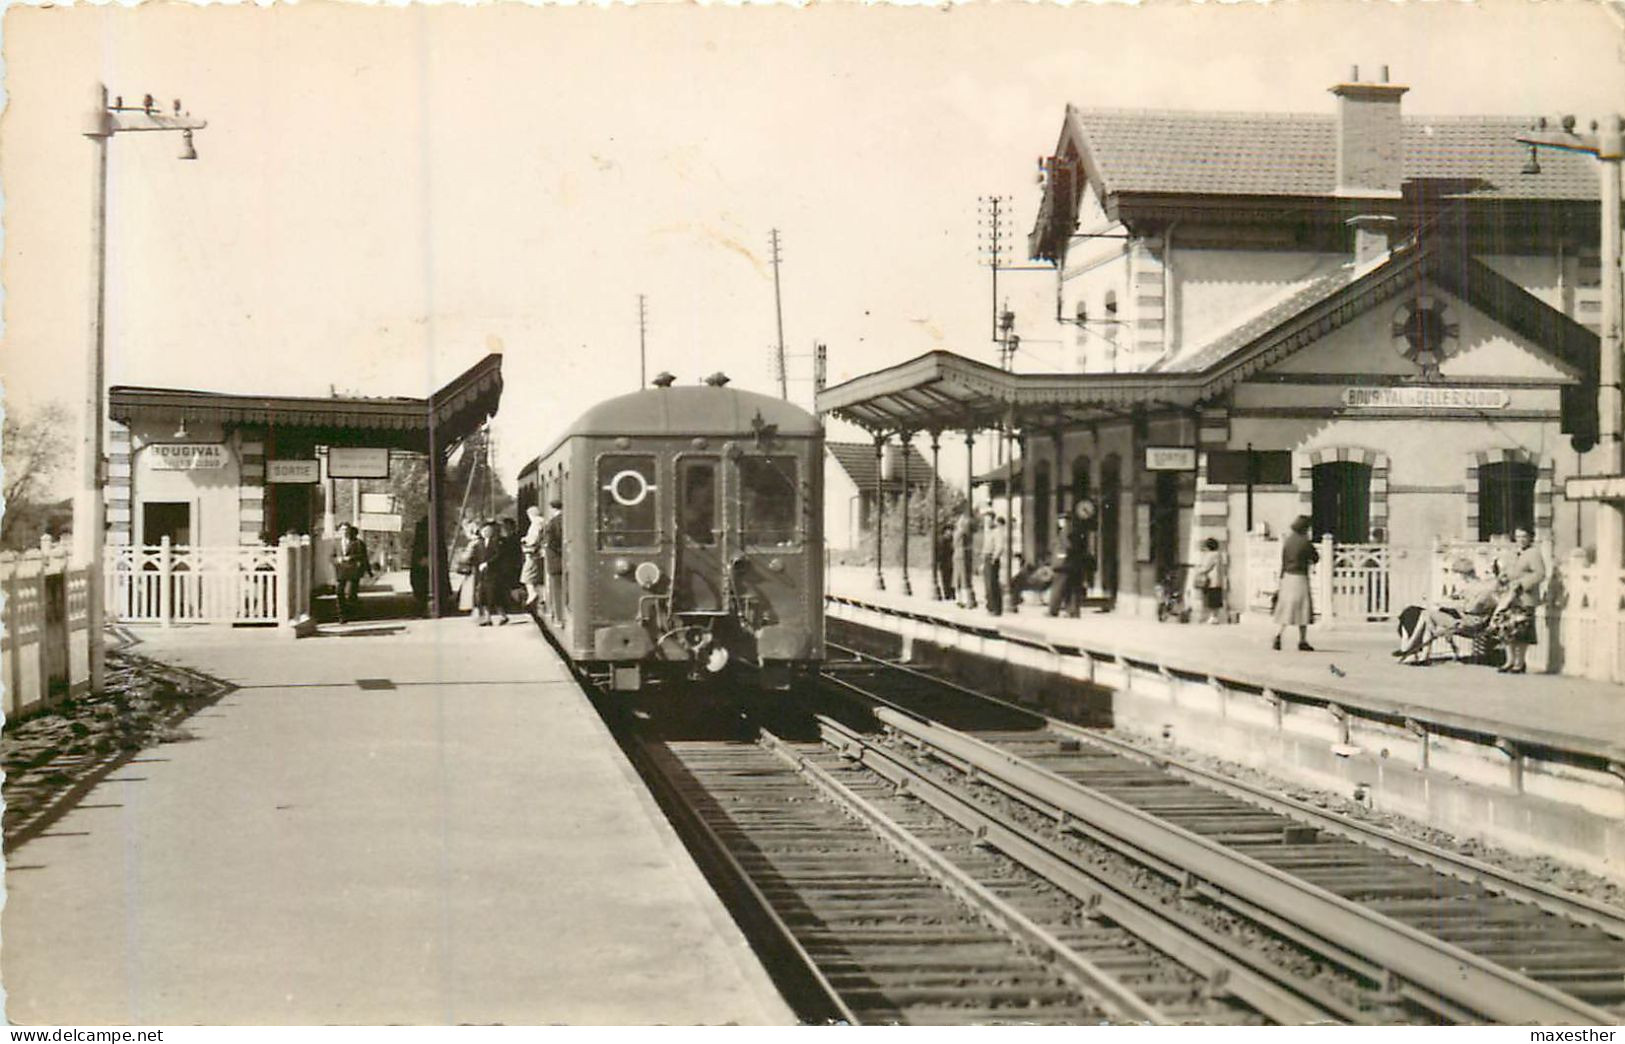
pixel 223 475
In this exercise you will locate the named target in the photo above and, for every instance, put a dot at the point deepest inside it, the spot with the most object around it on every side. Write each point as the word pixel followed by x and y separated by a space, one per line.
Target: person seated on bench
pixel 1029 578
pixel 1466 614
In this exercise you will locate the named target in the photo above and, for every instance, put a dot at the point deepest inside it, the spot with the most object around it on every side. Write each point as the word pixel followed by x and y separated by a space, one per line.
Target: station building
pixel 220 477
pixel 1384 321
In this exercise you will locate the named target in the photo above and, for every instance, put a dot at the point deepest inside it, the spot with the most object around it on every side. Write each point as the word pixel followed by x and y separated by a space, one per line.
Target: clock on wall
pixel 1425 332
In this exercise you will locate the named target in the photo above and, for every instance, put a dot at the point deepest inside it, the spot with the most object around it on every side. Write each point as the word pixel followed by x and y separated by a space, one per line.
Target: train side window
pixel 768 508
pixel 699 502
pixel 626 501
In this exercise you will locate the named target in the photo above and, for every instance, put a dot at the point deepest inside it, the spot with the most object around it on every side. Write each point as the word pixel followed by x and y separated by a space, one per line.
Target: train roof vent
pixel 664 379
pixel 717 380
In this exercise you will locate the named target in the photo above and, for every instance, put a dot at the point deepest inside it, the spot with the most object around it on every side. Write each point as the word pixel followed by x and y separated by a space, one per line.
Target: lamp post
pixel 89 528
pixel 1606 142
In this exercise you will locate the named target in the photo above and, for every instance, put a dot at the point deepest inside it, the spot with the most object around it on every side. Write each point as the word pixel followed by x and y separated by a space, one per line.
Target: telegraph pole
pixel 643 342
pixel 995 223
pixel 90 520
pixel 1606 143
pixel 778 315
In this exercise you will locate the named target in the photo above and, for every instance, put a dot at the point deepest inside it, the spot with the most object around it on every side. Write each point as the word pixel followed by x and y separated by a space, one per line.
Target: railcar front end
pixel 694 542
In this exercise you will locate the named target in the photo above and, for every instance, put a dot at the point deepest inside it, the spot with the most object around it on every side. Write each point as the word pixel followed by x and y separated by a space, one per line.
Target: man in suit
pixel 553 559
pixel 993 547
pixel 350 564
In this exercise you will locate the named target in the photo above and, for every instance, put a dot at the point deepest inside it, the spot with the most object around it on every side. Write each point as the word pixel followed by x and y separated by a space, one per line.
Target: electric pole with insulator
pixel 778 317
pixel 643 342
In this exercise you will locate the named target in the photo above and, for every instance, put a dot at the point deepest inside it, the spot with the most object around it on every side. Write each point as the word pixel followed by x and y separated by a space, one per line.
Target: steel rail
pixel 1576 908
pixel 1269 990
pixel 1083 973
pixel 1579 909
pixel 1460 977
pixel 657 771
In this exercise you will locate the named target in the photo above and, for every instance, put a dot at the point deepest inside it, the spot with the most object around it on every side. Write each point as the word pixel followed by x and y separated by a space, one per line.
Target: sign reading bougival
pixel 1413 398
pixel 355 462
pixel 185 456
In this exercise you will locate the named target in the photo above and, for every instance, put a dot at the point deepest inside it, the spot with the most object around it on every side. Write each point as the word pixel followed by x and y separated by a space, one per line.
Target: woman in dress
pixel 1292 608
pixel 1517 622
pixel 1208 579
pixel 530 573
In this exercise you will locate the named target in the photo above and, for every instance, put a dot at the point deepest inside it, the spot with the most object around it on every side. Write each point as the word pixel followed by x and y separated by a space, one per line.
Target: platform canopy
pixel 941 391
pixel 453 413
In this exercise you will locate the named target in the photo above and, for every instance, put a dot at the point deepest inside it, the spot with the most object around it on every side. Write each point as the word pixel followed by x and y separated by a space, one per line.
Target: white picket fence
pixel 167 584
pixel 45 647
pixel 1360 583
pixel 1580 607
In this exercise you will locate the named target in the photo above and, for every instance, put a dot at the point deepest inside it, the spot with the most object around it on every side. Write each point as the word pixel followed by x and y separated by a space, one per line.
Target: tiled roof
pixel 857 459
pixel 1295 154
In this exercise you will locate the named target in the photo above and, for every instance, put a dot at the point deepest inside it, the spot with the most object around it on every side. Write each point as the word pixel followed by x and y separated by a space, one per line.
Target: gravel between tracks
pixel 1540 868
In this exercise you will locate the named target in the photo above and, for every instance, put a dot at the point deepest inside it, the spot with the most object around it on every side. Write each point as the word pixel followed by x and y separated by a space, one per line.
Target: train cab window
pixel 626 501
pixel 767 498
pixel 699 501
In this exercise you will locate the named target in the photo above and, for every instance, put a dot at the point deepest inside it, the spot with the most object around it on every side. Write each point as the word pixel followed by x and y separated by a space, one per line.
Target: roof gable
pixel 1304 318
pixel 1485 349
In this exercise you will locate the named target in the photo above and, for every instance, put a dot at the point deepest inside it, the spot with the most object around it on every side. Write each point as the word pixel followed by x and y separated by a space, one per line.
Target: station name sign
pixel 1596 487
pixel 185 456
pixel 291 471
pixel 356 462
pixel 1426 398
pixel 1170 458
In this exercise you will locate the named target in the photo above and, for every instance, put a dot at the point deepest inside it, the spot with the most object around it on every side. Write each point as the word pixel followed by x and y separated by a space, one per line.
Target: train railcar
pixel 692 535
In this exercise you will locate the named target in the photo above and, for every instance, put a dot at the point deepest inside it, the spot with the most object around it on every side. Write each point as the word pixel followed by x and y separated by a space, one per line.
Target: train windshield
pixel 699 519
pixel 626 501
pixel 767 501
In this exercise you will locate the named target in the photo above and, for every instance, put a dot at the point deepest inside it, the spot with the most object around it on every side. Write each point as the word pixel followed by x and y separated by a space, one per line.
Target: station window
pixel 1341 501
pixel 626 501
pixel 1506 498
pixel 768 501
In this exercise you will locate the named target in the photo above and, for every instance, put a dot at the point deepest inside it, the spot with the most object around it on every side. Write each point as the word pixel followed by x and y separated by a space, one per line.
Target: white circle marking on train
pixel 613 488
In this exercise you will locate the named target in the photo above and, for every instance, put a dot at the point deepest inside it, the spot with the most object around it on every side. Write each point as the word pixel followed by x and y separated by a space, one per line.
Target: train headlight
pixel 648 575
pixel 622 567
pixel 776 565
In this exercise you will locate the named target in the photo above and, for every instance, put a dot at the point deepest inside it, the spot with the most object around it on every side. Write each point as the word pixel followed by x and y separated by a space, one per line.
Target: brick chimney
pixel 1370 137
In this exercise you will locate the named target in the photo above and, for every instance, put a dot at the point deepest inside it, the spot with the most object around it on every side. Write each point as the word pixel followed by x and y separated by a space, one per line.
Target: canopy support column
pixel 439 577
pixel 880 512
pixel 1014 596
pixel 970 509
pixel 938 594
pixel 906 440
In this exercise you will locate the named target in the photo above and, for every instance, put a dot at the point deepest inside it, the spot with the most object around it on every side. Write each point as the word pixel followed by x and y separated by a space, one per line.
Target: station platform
pixel 1534 764
pixel 1549 710
pixel 401 822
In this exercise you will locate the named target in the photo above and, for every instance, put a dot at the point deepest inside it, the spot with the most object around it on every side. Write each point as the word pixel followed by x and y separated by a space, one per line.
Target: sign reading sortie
pixel 1426 398
pixel 185 456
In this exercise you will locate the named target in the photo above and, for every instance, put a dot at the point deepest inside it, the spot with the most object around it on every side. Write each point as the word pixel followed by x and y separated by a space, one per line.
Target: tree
pixel 35 448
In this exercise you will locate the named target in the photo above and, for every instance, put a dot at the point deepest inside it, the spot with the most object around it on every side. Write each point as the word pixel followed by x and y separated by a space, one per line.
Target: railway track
pixel 904 916
pixel 1435 932
pixel 878 895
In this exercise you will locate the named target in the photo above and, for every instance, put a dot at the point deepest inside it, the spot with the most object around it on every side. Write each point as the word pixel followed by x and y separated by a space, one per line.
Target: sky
pixel 383 195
